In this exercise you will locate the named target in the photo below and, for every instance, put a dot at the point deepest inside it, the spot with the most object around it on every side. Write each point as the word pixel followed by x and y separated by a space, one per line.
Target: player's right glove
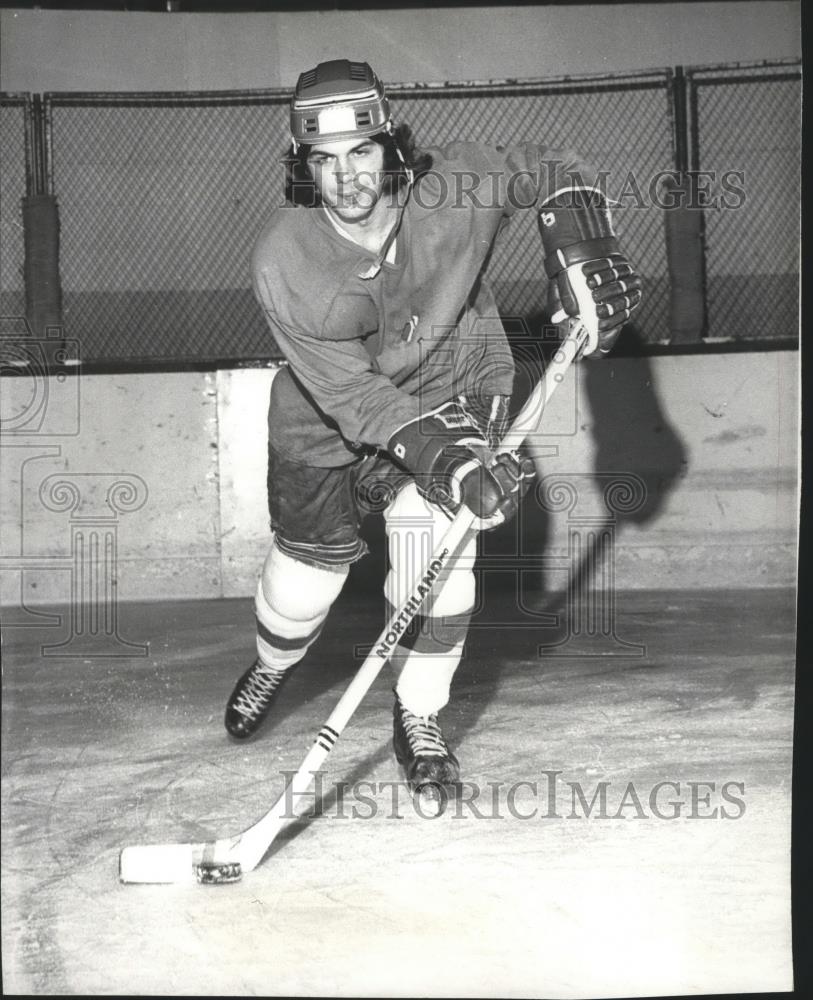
pixel 453 465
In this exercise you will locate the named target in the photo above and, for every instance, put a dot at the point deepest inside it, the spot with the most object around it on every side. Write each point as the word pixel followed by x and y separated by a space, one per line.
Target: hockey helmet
pixel 339 99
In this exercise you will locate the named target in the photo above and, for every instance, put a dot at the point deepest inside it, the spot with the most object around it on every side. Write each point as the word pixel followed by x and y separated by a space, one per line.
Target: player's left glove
pixel 453 465
pixel 589 274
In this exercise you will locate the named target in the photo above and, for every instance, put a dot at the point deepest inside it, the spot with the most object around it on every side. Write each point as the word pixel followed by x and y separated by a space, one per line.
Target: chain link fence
pixel 620 125
pixel 161 197
pixel 13 160
pixel 746 136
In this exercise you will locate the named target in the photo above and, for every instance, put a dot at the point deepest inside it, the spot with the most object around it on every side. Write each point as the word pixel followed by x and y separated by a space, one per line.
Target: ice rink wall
pixel 689 462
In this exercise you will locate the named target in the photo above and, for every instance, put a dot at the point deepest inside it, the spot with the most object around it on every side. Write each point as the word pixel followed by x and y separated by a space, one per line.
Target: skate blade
pixel 430 800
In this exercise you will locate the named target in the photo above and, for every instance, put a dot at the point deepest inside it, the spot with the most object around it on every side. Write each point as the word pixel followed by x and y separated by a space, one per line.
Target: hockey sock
pixel 426 660
pixel 428 653
pixel 292 602
pixel 425 679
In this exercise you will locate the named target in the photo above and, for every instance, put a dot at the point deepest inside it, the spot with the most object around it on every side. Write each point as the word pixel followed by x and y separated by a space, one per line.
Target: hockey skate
pixel 421 750
pixel 251 700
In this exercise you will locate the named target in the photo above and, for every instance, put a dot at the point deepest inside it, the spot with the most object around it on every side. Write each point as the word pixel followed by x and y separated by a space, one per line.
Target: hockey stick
pixel 225 860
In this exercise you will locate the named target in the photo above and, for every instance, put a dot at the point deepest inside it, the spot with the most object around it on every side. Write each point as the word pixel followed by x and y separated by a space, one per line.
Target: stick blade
pixel 178 863
pixel 160 863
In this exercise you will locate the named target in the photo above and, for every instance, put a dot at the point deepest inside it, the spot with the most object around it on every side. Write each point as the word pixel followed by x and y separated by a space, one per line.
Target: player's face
pixel 348 174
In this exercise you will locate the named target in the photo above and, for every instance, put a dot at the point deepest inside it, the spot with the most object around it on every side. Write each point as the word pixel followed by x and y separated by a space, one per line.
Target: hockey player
pixel 396 391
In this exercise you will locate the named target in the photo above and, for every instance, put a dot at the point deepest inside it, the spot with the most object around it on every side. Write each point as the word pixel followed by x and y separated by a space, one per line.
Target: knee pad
pixel 291 604
pixel 297 592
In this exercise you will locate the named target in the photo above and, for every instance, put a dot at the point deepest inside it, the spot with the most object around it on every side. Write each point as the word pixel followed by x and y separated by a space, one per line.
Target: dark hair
pixel 301 190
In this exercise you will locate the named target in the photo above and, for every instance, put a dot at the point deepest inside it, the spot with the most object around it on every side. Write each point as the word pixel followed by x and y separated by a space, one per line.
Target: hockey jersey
pixel 367 354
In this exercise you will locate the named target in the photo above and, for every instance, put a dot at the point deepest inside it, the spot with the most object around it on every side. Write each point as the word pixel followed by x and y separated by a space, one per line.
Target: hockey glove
pixel 453 465
pixel 590 277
